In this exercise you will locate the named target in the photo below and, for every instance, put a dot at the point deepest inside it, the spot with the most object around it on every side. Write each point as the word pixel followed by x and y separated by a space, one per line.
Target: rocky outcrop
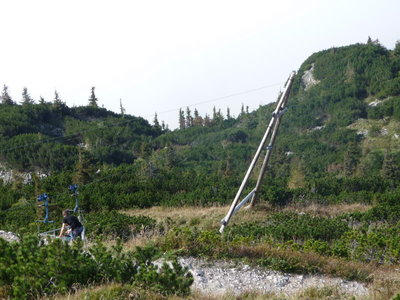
pixel 308 78
pixel 10 175
pixel 9 236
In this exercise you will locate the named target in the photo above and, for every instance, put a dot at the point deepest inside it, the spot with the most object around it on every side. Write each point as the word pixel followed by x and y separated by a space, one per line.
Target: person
pixel 73 223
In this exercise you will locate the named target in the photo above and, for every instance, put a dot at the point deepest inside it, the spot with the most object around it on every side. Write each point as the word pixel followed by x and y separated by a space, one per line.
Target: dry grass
pixel 328 210
pixel 386 283
pixel 203 217
pixel 210 217
pixel 117 291
pixel 180 213
pixel 114 291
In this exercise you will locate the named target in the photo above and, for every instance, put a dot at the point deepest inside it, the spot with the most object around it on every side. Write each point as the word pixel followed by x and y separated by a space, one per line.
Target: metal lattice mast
pixel 272 127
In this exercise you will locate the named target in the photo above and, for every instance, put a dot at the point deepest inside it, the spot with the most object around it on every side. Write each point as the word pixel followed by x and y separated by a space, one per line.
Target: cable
pixel 221 98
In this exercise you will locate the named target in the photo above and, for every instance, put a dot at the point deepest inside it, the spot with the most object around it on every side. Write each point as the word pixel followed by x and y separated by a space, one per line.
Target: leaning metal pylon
pixel 270 134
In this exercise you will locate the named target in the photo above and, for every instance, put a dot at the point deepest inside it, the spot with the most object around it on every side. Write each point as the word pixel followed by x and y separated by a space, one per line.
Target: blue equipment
pixel 45 198
pixel 74 188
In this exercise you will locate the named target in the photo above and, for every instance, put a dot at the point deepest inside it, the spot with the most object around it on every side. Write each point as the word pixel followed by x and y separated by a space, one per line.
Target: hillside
pixel 338 150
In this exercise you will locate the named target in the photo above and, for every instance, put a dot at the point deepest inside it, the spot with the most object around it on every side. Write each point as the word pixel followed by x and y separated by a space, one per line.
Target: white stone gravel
pixel 221 277
pixel 9 236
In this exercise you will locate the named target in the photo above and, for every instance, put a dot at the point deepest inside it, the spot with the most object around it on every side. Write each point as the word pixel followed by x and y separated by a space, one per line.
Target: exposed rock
pixel 375 103
pixel 317 128
pixel 9 236
pixel 363 132
pixel 308 78
pixel 10 175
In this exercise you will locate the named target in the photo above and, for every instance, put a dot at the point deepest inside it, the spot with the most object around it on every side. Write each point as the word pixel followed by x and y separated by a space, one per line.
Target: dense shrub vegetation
pixel 111 225
pixel 30 269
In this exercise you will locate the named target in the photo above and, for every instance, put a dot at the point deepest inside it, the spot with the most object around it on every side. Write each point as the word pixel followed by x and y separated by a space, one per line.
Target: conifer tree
pixel 26 98
pixel 228 113
pixel 351 158
pixel 207 121
pixel 197 120
pixel 155 122
pixel 242 110
pixel 92 99
pixel 82 169
pixel 41 100
pixel 181 119
pixel 5 97
pixel 397 48
pixel 57 100
pixel 189 118
pixel 214 116
pixel 122 109
pixel 218 118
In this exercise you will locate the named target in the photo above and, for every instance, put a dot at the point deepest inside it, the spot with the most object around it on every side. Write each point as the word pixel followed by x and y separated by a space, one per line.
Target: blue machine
pixel 74 188
pixel 45 199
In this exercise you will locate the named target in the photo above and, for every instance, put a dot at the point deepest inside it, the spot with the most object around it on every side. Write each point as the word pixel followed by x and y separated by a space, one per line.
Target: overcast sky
pixel 158 56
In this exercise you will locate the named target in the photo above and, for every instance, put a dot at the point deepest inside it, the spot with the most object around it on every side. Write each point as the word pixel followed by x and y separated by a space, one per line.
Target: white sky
pixel 161 55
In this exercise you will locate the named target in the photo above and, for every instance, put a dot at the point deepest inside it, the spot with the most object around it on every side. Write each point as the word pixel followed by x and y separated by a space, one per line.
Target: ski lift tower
pixel 270 135
pixel 45 199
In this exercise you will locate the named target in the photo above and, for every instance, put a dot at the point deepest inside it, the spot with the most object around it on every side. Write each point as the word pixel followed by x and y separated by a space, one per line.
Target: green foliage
pixel 31 269
pixel 291 226
pixel 170 279
pixel 46 136
pixel 113 224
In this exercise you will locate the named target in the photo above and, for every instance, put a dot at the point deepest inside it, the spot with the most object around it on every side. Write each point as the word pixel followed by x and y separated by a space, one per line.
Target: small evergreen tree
pixel 207 121
pixel 57 100
pixel 122 109
pixel 82 170
pixel 228 113
pixel 5 97
pixel 242 110
pixel 26 98
pixel 92 99
pixel 397 48
pixel 182 124
pixel 41 100
pixel 197 120
pixel 156 123
pixel 351 158
pixel 189 118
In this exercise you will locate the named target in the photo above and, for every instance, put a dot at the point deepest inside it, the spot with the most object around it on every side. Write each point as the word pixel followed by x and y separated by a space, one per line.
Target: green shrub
pixel 291 226
pixel 114 224
pixel 31 269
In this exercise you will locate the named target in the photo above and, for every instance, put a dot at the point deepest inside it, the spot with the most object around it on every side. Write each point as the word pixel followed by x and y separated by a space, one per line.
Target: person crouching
pixel 73 223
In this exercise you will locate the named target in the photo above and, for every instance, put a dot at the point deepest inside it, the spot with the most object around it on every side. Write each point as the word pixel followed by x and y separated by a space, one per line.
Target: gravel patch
pixel 222 277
